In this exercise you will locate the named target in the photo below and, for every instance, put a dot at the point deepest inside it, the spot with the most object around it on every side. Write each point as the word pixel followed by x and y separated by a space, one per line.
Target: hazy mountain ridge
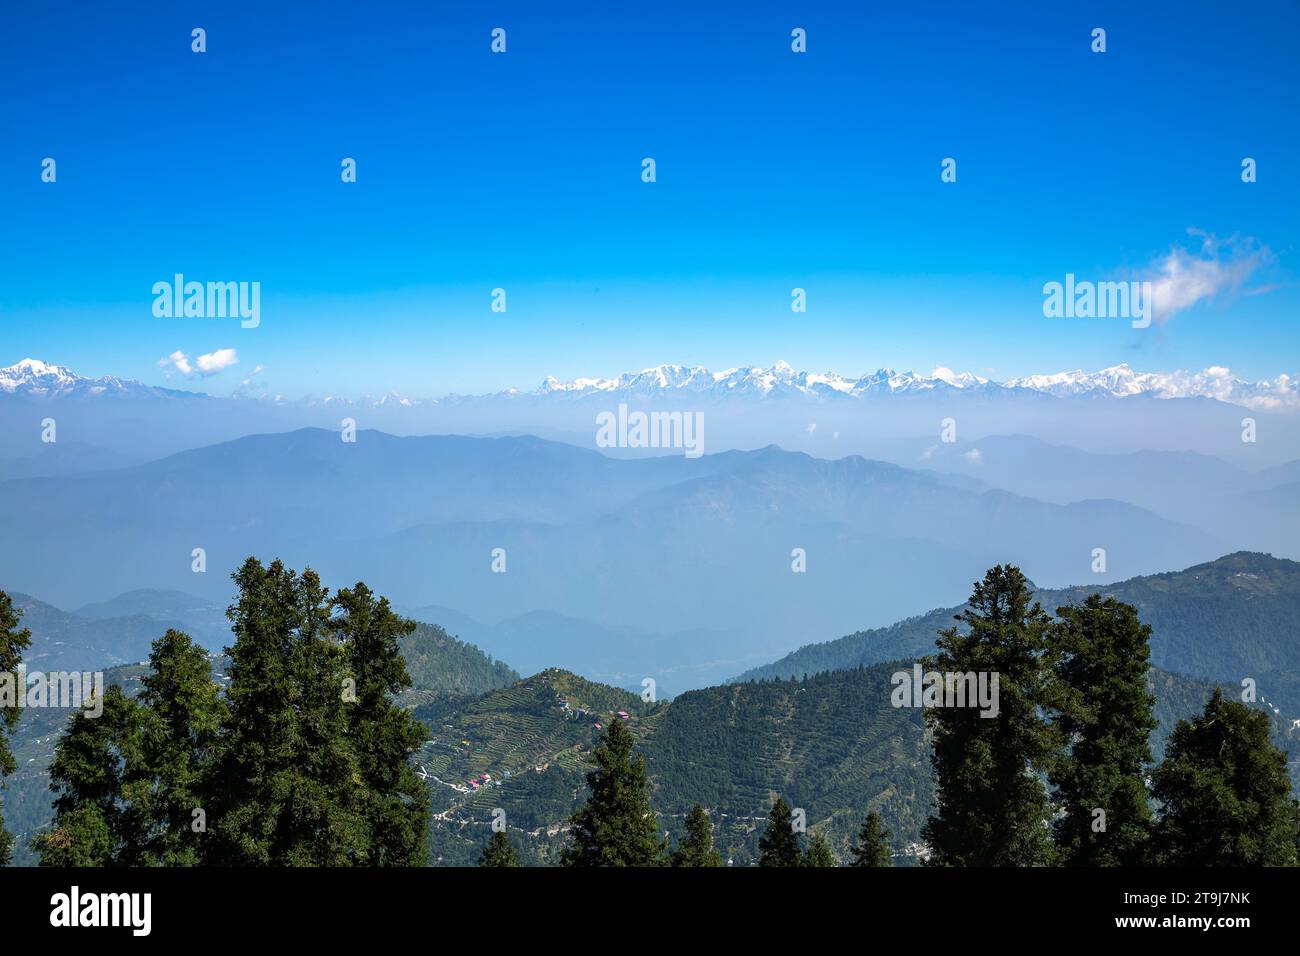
pixel 662 551
pixel 1230 618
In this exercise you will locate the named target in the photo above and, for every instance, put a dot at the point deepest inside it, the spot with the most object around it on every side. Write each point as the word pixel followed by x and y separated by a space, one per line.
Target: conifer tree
pixel 819 852
pixel 616 826
pixel 872 848
pixel 1224 792
pixel 696 849
pixel 13 642
pixel 383 734
pixel 499 851
pixel 94 760
pixel 779 844
pixel 286 777
pixel 1104 710
pixel 180 712
pixel 991 804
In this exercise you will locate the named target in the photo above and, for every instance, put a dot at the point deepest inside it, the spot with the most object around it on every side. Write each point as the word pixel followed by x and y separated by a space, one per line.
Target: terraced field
pixel 522 749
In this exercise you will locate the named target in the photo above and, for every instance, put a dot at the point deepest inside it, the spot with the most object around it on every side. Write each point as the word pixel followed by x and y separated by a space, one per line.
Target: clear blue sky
pixel 522 171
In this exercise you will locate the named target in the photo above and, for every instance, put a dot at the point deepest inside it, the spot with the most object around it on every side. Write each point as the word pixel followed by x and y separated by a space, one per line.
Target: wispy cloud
pixel 1185 277
pixel 204 365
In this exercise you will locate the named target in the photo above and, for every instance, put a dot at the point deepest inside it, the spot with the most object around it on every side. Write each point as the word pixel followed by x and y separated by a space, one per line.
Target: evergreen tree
pixel 499 851
pixel 12 644
pixel 1224 792
pixel 872 848
pixel 383 734
pixel 779 844
pixel 697 848
pixel 819 852
pixel 616 827
pixel 180 713
pixel 94 761
pixel 286 784
pixel 991 805
pixel 1101 658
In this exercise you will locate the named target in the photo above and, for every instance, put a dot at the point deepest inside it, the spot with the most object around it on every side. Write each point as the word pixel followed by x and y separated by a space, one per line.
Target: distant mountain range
pixel 705 549
pixel 33 378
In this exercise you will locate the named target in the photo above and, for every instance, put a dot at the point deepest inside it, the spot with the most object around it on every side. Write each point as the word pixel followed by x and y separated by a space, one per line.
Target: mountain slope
pixel 1226 619
pixel 698 550
pixel 832 745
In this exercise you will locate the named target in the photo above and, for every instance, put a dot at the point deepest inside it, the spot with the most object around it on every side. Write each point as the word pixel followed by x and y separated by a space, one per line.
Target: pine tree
pixel 819 852
pixel 286 784
pixel 991 805
pixel 1224 792
pixel 697 848
pixel 12 644
pixel 383 734
pixel 181 711
pixel 616 827
pixel 872 848
pixel 499 851
pixel 1101 658
pixel 779 844
pixel 94 761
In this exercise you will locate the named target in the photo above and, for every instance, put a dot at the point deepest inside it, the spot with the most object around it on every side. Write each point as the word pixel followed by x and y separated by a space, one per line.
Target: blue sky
pixel 522 171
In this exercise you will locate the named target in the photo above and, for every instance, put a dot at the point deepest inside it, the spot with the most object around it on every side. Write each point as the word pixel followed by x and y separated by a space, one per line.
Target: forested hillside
pixel 831 745
pixel 1227 619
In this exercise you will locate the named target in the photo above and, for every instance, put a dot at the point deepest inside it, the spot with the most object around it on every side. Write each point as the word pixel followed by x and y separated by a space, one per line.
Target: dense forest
pixel 334 732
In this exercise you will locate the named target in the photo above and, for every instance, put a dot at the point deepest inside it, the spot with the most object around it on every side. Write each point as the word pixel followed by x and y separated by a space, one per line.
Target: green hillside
pixel 1227 619
pixel 531 739
pixel 442 666
pixel 830 744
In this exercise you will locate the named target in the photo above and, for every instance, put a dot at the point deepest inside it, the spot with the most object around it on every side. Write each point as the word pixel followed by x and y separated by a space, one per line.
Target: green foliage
pixel 1224 792
pixel 287 780
pixel 180 714
pixel 831 744
pixel 819 852
pixel 383 735
pixel 872 847
pixel 304 762
pixel 441 666
pixel 499 851
pixel 12 644
pixel 1226 618
pixel 779 845
pixel 696 849
pixel 1104 712
pixel 991 806
pixel 94 762
pixel 616 827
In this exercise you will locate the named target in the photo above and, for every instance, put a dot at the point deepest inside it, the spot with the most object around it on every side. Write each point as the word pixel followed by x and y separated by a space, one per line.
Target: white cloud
pixel 204 365
pixel 1183 278
pixel 973 456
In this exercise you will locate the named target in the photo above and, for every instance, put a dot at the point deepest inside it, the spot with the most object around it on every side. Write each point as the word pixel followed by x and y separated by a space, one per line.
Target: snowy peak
pixel 1119 381
pixel 36 379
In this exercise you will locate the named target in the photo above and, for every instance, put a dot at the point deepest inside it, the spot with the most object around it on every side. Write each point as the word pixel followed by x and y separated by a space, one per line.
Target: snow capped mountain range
pixel 37 379
pixel 1119 381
